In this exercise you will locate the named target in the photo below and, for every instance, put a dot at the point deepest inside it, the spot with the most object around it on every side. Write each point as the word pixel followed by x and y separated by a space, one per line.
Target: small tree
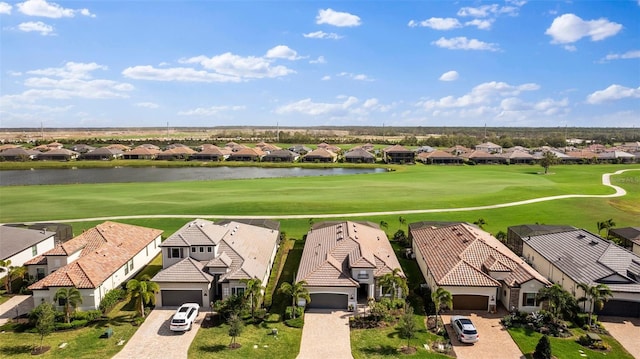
pixel 561 302
pixel 384 224
pixel 392 282
pixel 45 322
pixel 548 159
pixel 480 223
pixel 296 290
pixel 71 297
pixel 143 291
pixel 235 329
pixel 408 326
pixel 13 272
pixel 441 297
pixel 597 295
pixel 543 349
pixel 254 293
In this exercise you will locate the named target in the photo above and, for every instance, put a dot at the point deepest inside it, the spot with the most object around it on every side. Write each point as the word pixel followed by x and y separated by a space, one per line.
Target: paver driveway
pixel 155 340
pixel 624 330
pixel 325 335
pixel 495 341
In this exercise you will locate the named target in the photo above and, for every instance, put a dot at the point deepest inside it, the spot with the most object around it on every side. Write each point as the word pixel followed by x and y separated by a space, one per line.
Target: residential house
pixel 20 245
pixel 359 155
pixel 119 147
pixel 342 263
pixel 98 260
pixel 18 154
pixel 630 147
pixel 175 153
pixel 438 157
pixel 616 157
pixel 489 147
pixel 629 236
pixel 518 157
pixel 102 154
pixel 141 153
pixel 398 154
pixel 576 256
pixel 205 261
pixel 281 156
pixel 320 155
pixel 328 147
pixel 484 157
pixel 300 149
pixel 82 148
pixel 246 154
pixel 62 154
pixel 476 268
pixel 209 153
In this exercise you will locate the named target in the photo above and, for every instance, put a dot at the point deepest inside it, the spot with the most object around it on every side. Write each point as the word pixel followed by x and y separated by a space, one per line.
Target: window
pixel 363 275
pixel 39 273
pixel 237 291
pixel 62 301
pixel 529 300
pixel 201 249
pixel 131 264
pixel 34 250
pixel 209 249
pixel 193 249
pixel 126 269
pixel 175 253
pixel 147 250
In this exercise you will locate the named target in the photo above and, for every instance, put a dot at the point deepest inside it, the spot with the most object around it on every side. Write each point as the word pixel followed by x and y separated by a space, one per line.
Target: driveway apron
pixel 15 307
pixel 155 340
pixel 325 335
pixel 495 341
pixel 626 331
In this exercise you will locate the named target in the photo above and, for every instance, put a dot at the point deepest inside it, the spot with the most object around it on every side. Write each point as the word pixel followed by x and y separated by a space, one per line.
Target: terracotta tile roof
pixel 463 255
pixel 143 151
pixel 396 148
pixel 321 153
pixel 332 249
pixel 105 249
pixel 39 260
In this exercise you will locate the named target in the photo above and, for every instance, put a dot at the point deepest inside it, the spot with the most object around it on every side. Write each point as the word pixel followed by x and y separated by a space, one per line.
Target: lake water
pixel 154 174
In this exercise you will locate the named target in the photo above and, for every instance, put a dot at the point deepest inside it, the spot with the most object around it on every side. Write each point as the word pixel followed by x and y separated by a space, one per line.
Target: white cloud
pixel 490 10
pixel 634 54
pixel 210 111
pixel 437 23
pixel 336 18
pixel 282 52
pixel 319 60
pixel 462 43
pixel 480 24
pixel 322 35
pixel 612 93
pixel 51 10
pixel 326 78
pixel 359 77
pixel 571 48
pixel 449 76
pixel 346 106
pixel 36 26
pixel 74 80
pixel 226 67
pixel 569 28
pixel 147 105
pixel 484 94
pixel 5 8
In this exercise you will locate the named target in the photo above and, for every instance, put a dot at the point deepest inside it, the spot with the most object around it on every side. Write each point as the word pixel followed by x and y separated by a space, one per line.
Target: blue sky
pixel 308 63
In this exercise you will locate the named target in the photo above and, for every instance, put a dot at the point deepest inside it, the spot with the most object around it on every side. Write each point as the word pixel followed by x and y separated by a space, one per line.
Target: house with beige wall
pixel 20 245
pixel 98 260
pixel 478 270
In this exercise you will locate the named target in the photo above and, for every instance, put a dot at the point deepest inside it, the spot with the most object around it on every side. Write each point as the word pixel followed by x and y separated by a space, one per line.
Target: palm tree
pixel 560 301
pixel 71 297
pixel 296 290
pixel 384 224
pixel 597 295
pixel 441 297
pixel 480 223
pixel 402 221
pixel 254 292
pixel 392 282
pixel 601 226
pixel 13 272
pixel 143 291
pixel 610 224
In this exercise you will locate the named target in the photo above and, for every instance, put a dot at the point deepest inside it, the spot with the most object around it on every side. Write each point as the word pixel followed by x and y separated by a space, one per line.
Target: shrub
pixel 90 315
pixel 111 298
pixel 543 349
pixel 295 323
pixel 289 312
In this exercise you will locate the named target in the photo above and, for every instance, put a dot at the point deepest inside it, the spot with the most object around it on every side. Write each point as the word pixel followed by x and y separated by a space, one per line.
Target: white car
pixel 466 332
pixel 184 317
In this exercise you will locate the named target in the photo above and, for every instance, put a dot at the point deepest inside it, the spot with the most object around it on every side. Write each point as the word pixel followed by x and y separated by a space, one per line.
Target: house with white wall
pixel 476 268
pixel 98 260
pixel 19 245
pixel 205 261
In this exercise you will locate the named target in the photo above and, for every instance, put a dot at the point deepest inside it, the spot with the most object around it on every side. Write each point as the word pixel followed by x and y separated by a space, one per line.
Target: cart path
pixel 606 181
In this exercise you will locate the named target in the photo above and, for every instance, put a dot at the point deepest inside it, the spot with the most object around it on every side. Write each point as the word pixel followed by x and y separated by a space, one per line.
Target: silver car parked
pixel 466 332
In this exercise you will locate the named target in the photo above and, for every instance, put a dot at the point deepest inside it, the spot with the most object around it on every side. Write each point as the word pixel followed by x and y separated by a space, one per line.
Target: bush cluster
pixel 289 312
pixel 111 299
pixel 542 322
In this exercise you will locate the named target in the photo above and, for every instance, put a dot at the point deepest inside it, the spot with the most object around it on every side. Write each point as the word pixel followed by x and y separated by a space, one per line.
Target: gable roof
pixel 14 240
pixel 244 247
pixel 105 249
pixel 187 270
pixel 359 153
pixel 587 258
pixel 396 149
pixel 332 249
pixel 458 254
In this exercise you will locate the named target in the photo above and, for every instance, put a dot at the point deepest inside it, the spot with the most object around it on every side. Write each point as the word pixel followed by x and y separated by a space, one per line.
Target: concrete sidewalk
pixel 15 307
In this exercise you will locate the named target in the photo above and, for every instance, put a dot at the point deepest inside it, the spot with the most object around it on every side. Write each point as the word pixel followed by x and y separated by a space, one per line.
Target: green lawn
pixel 257 342
pixel 568 348
pixel 82 343
pixel 385 342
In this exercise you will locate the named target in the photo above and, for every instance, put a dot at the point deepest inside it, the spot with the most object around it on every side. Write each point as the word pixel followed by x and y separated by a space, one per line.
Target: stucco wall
pixel 18 259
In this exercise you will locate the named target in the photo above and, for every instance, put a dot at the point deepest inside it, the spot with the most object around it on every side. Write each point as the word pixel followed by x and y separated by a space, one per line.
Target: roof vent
pixel 580 236
pixel 593 243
